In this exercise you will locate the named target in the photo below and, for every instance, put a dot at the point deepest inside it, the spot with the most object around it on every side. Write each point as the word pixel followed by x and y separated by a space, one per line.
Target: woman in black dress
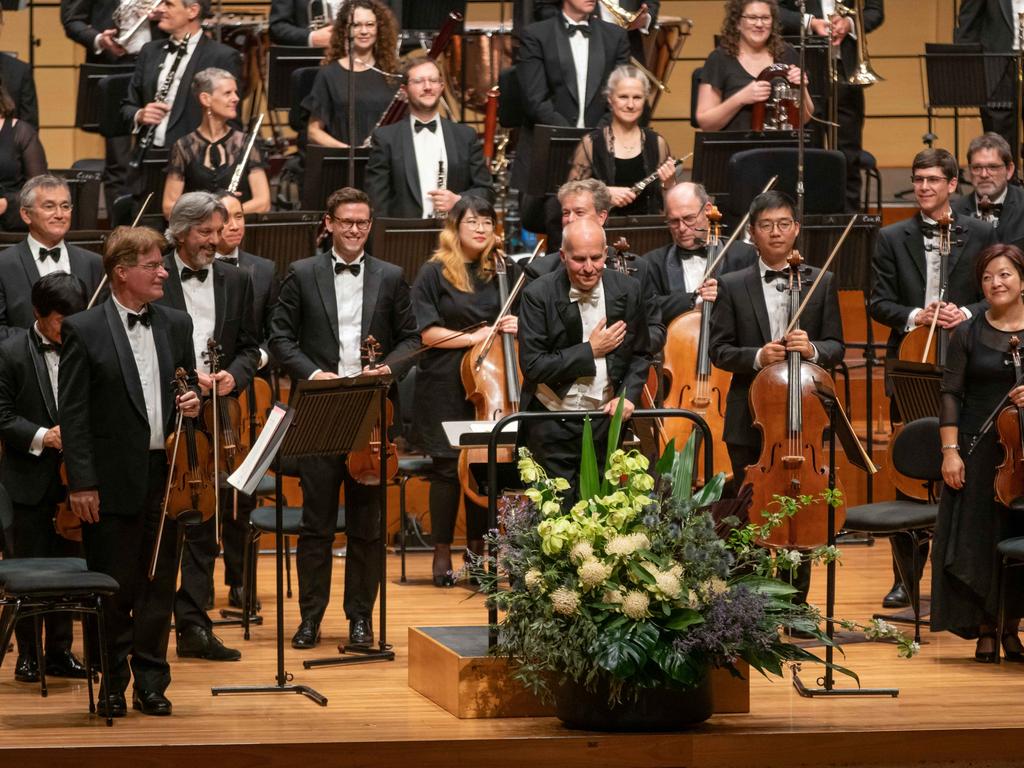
pixel 622 153
pixel 21 158
pixel 971 522
pixel 205 160
pixel 751 41
pixel 374 52
pixel 455 289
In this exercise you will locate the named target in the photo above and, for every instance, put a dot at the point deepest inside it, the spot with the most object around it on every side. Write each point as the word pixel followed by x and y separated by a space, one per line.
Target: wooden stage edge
pixel 950 711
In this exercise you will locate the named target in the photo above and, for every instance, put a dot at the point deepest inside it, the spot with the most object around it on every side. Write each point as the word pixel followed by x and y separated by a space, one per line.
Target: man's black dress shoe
pixel 65 664
pixel 151 703
pixel 236 599
pixel 897 597
pixel 360 632
pixel 111 705
pixel 306 636
pixel 27 669
pixel 201 643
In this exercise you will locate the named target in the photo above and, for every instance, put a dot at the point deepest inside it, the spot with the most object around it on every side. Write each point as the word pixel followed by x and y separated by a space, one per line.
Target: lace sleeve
pixel 953 377
pixel 177 162
pixel 583 160
pixel 33 157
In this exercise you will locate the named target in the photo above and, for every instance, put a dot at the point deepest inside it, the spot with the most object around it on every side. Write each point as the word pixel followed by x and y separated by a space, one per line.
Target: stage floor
pixel 950 710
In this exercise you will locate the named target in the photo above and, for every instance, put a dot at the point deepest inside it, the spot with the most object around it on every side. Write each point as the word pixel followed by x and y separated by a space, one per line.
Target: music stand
pixel 327 170
pixel 85 195
pixel 916 388
pixel 853 268
pixel 712 150
pixel 551 149
pixel 405 242
pixel 283 236
pixel 643 233
pixel 283 60
pixel 88 106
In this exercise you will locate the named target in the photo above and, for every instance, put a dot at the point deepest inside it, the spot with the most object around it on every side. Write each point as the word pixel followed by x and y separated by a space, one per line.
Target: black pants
pixel 138 617
pixel 33 535
pixel 322 479
pixel 445 494
pixel 850 113
pixel 115 169
pixel 557 446
pixel 235 534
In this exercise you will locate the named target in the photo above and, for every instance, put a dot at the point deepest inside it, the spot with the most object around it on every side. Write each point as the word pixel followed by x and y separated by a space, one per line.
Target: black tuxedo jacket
pixel 265 286
pixel 26 406
pixel 898 266
pixel 546 9
pixel 989 22
pixel 673 304
pixel 186 114
pixel 740 327
pixel 17 79
pixel 304 323
pixel 552 349
pixel 1011 219
pixel 101 407
pixel 18 273
pixel 84 19
pixel 789 16
pixel 393 180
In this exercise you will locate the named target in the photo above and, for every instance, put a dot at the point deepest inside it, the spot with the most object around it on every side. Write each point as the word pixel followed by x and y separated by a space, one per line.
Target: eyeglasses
pixel 988 168
pixel 755 20
pixel 688 221
pixel 423 80
pixel 149 266
pixel 54 207
pixel 928 181
pixel 360 224
pixel 768 225
pixel 484 225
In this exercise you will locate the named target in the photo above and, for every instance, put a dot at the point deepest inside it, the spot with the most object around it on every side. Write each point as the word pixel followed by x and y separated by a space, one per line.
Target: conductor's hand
pixel 188 404
pixel 1016 397
pixel 107 41
pixel 86 505
pixel 772 352
pixel 953 469
pixel 797 341
pixel 708 290
pixel 606 339
pixel 152 113
pixel 52 438
pixel 950 315
pixel 612 405
pixel 755 92
pixel 509 324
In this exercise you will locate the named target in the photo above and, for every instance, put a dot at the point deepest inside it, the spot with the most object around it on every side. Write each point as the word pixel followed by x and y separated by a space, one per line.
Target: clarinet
pixel 644 183
pixel 236 177
pixel 440 185
pixel 165 89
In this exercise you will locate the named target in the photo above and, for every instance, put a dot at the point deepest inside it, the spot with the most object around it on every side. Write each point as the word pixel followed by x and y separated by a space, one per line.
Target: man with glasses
pixel 329 305
pixel 678 270
pixel 419 167
pixel 749 323
pixel 994 199
pixel 46 208
pixel 906 286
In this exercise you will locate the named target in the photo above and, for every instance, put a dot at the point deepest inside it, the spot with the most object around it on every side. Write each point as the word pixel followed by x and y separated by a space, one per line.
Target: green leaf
pixel 677 666
pixel 765 586
pixel 640 574
pixel 683 618
pixel 614 430
pixel 590 484
pixel 682 471
pixel 668 457
pixel 623 651
pixel 711 492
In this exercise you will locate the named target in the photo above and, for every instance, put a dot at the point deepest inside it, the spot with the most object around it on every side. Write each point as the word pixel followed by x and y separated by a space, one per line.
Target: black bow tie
pixel 771 275
pixel 173 47
pixel 340 266
pixel 49 253
pixel 419 126
pixel 686 253
pixel 199 274
pixel 572 29
pixel 994 211
pixel 142 318
pixel 232 260
pixel 46 346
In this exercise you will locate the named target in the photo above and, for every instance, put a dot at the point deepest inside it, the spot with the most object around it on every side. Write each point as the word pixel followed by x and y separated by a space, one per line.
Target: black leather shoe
pixel 1013 650
pixel 27 669
pixel 111 705
pixel 360 632
pixel 897 597
pixel 65 664
pixel 236 599
pixel 201 643
pixel 151 703
pixel 306 636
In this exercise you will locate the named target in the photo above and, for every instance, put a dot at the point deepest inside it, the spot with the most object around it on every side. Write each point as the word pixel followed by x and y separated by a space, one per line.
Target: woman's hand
pixel 953 468
pixel 667 173
pixel 1017 396
pixel 621 196
pixel 754 92
pixel 793 75
pixel 510 324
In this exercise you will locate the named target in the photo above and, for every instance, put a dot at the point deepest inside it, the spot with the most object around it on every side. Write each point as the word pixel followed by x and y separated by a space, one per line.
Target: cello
pixel 792 461
pixel 364 465
pixel 1009 480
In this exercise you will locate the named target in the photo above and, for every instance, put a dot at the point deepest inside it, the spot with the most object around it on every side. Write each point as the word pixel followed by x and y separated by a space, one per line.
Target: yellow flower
pixel 554 535
pixel 560 484
pixel 534 579
pixel 635 604
pixel 565 601
pixel 529 472
pixel 550 508
pixel 593 573
pixel 534 495
pixel 668 584
pixel 612 597
pixel 581 551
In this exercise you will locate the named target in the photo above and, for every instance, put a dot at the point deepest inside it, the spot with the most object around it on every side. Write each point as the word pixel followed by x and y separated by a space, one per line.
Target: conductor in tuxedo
pixel 419 167
pixel 219 299
pixel 116 409
pixel 993 199
pixel 677 270
pixel 30 466
pixel 46 208
pixel 180 113
pixel 583 345
pixel 328 306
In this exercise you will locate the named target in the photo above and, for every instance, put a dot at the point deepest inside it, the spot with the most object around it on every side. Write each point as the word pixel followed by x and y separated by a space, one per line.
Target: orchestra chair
pixel 301 83
pixel 750 170
pixel 869 168
pixel 411 466
pixel 1011 554
pixel 694 88
pixel 916 453
pixel 113 89
pixel 32 587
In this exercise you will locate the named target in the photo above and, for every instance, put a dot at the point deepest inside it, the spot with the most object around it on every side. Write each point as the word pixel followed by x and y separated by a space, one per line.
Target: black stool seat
pixel 265 519
pixel 415 465
pixel 1011 548
pixel 890 516
pixel 50 583
pixel 267 486
pixel 15 564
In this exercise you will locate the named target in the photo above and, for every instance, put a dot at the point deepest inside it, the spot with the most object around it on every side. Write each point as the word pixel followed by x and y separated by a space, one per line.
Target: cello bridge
pixel 792 462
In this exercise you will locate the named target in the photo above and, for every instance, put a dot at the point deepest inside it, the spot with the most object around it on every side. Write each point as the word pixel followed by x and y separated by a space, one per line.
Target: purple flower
pixel 733 620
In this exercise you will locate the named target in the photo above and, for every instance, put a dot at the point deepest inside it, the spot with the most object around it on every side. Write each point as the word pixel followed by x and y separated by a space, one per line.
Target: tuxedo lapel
pixel 164 360
pixel 323 274
pixel 371 287
pixel 42 375
pixel 595 65
pixel 959 242
pixel 453 151
pixel 173 295
pixel 28 263
pixel 614 302
pixel 412 171
pixel 913 242
pixel 566 63
pixel 755 292
pixel 568 311
pixel 1006 6
pixel 219 297
pixel 129 370
pixel 185 89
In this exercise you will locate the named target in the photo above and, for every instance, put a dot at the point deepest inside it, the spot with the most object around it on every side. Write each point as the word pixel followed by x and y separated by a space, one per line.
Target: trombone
pixel 863 74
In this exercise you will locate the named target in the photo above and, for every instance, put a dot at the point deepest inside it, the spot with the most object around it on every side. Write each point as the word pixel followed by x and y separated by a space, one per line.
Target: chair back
pixel 112 91
pixel 917 451
pixel 824 172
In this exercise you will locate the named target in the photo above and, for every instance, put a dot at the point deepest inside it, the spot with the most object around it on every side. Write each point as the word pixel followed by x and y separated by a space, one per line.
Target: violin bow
pixel 710 270
pixel 167 496
pixel 424 347
pixel 505 309
pixel 103 280
pixel 824 268
pixel 945 223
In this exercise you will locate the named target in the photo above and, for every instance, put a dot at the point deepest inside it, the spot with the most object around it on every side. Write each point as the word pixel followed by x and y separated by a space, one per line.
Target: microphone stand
pixel 351 96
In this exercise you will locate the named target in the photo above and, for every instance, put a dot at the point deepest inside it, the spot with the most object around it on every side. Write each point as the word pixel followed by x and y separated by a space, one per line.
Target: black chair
pixel 301 82
pixel 916 453
pixel 750 170
pixel 694 88
pixel 1011 554
pixel 112 91
pixel 411 466
pixel 872 177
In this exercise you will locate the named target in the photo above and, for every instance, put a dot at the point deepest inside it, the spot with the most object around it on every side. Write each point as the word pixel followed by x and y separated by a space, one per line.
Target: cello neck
pixel 508 348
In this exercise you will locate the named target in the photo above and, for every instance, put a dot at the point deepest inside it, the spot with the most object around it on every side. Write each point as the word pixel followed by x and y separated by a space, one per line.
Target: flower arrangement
pixel 633 587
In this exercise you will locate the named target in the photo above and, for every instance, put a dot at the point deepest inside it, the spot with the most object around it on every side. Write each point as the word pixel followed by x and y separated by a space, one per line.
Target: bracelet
pixel 952 446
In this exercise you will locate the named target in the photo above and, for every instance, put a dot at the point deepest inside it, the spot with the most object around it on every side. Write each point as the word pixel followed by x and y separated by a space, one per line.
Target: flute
pixel 236 177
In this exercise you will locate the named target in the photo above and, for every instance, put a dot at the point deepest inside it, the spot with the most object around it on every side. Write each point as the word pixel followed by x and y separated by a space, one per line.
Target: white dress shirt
pixel 52 359
pixel 777 304
pixel 63 264
pixel 587 392
pixel 143 345
pixel 348 291
pixel 430 151
pixel 200 303
pixel 933 275
pixel 159 137
pixel 693 273
pixel 1018 9
pixel 580 47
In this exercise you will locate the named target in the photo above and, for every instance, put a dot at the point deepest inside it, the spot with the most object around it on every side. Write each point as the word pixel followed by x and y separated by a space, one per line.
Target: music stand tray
pixel 552 149
pixel 405 242
pixel 88 105
pixel 916 388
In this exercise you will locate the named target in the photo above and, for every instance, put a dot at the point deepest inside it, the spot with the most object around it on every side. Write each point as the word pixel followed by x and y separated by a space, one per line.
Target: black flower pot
pixel 655 709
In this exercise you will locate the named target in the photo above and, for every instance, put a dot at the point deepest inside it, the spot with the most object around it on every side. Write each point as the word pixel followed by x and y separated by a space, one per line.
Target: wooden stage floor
pixel 950 711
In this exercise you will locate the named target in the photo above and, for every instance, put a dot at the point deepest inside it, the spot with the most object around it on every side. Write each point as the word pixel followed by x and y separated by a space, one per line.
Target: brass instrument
pixel 622 17
pixel 862 75
pixel 649 75
pixel 317 20
pixel 129 17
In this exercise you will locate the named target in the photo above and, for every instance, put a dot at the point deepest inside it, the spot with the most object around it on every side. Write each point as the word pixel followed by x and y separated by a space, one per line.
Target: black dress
pixel 723 72
pixel 965 566
pixel 207 166
pixel 21 158
pixel 595 158
pixel 328 100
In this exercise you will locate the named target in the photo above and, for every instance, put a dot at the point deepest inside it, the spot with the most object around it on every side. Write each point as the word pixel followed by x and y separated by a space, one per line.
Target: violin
pixel 694 383
pixel 792 461
pixel 221 418
pixel 66 522
pixel 492 380
pixel 364 464
pixel 255 402
pixel 1009 481
pixel 781 111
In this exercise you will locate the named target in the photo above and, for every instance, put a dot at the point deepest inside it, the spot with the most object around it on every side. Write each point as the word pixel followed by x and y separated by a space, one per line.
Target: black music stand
pixel 712 150
pixel 283 60
pixel 551 150
pixel 643 233
pixel 283 236
pixel 85 195
pixel 88 106
pixel 405 242
pixel 853 268
pixel 915 387
pixel 326 171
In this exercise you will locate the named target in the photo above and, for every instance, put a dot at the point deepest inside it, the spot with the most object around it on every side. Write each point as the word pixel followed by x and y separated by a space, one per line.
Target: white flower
pixel 716 586
pixel 793 556
pixel 635 604
pixel 593 573
pixel 668 584
pixel 534 579
pixel 581 551
pixel 549 508
pixel 612 597
pixel 565 601
pixel 627 544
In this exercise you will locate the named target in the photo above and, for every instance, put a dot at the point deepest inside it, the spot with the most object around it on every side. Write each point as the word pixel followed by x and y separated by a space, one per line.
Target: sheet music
pixel 257 462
